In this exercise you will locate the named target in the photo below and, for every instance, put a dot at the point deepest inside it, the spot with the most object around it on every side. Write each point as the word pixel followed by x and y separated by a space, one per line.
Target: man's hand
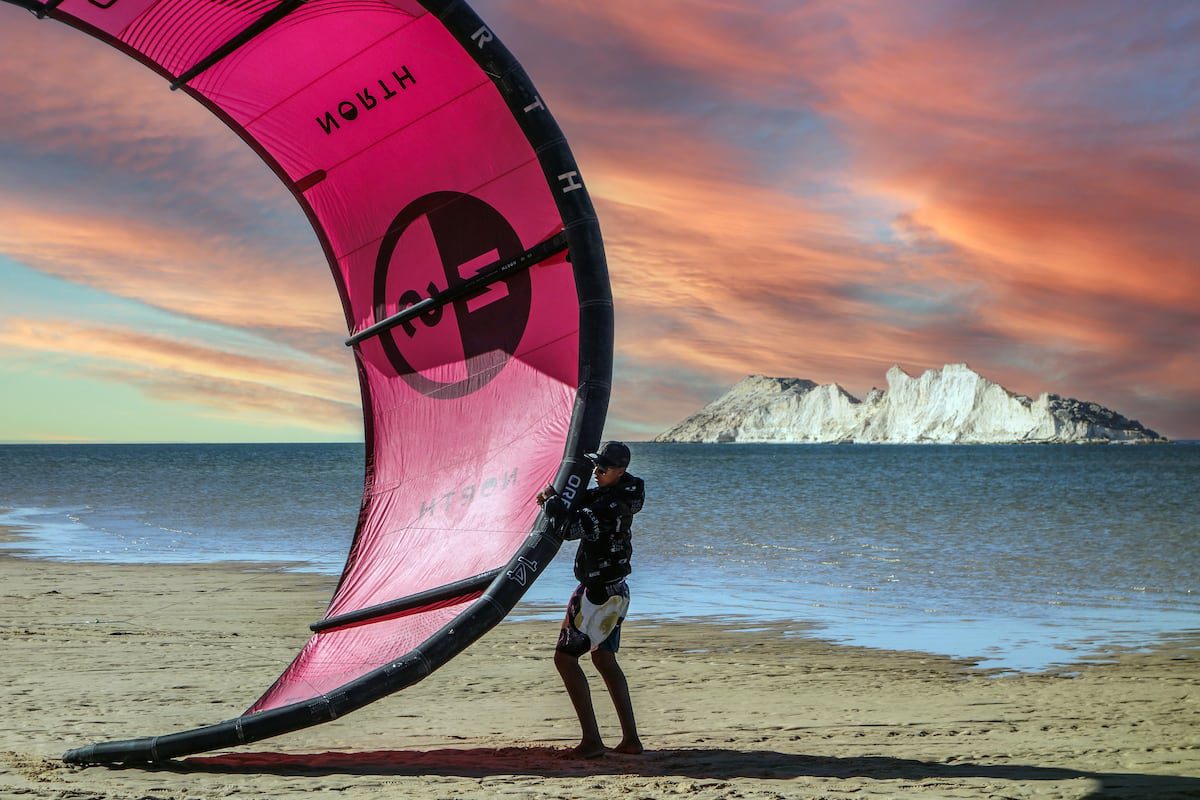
pixel 555 507
pixel 545 494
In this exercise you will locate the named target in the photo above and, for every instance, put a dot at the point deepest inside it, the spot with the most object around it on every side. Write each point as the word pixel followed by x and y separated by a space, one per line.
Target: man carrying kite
pixel 603 523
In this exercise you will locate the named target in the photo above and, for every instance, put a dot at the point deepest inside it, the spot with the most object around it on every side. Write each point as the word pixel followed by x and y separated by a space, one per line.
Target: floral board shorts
pixel 594 619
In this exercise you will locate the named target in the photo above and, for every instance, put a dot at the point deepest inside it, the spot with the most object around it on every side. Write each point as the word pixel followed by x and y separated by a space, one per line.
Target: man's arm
pixel 626 500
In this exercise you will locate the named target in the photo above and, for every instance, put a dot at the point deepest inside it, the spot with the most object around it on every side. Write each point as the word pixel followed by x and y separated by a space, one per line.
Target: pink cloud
pixel 72 97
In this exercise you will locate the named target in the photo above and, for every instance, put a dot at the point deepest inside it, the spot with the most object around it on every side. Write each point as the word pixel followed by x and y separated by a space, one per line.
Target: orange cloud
pixel 274 391
pixel 200 274
pixel 1021 210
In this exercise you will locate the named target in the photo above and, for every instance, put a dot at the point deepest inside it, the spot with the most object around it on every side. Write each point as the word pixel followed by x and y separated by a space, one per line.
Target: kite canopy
pixel 447 202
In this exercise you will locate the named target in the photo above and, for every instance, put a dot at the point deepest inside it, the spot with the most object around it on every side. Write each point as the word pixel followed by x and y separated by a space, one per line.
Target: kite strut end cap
pixel 130 751
pixel 77 756
pixel 80 755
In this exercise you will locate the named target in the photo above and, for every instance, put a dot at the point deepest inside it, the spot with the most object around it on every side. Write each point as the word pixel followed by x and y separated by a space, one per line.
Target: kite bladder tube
pixel 440 594
pixel 33 5
pixel 230 47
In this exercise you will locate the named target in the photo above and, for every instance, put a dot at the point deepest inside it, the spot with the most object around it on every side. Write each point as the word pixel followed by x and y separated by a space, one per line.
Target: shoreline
pixel 98 651
pixel 1017 645
pixel 1049 657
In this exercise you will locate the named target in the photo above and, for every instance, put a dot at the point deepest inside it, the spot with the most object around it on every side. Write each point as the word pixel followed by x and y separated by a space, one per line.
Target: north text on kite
pixel 349 110
pixel 466 494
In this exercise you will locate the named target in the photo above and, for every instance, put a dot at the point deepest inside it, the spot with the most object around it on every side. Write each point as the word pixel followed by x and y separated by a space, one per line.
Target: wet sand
pixel 92 652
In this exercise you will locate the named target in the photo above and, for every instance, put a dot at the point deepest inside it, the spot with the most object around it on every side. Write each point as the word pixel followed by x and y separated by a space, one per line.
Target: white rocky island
pixel 951 405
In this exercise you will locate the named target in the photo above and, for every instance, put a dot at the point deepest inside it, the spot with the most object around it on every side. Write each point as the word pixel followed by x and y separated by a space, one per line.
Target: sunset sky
pixel 815 189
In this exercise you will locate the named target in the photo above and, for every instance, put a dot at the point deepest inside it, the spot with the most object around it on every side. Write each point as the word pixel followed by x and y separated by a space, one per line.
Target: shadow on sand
pixel 710 763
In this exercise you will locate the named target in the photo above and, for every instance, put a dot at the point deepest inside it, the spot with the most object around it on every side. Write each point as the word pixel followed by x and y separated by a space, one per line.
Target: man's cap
pixel 610 454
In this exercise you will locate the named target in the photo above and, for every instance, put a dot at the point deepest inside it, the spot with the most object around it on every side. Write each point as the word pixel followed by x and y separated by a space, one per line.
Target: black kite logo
pixel 462 234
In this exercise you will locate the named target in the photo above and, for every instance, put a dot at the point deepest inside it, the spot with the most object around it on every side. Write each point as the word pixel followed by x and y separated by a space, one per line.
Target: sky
pixel 818 190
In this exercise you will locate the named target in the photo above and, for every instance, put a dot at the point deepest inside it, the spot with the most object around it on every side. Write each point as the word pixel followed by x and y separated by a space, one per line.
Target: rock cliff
pixel 951 405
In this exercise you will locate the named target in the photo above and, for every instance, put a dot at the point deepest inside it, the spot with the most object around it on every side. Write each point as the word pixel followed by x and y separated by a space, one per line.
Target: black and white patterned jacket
pixel 603 524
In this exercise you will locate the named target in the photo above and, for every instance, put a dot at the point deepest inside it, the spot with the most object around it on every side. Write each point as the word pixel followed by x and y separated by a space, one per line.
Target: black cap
pixel 610 454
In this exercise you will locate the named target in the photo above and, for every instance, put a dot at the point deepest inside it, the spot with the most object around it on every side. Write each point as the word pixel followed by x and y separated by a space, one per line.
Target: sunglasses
pixel 599 470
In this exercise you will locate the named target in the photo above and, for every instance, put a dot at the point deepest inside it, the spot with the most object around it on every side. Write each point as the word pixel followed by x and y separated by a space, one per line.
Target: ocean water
pixel 1020 557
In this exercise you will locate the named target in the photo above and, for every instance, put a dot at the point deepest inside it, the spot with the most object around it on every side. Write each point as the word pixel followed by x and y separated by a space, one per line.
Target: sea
pixel 1020 558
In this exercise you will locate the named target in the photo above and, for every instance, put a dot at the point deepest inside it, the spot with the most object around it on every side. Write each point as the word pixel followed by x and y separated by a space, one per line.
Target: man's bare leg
pixel 618 689
pixel 591 745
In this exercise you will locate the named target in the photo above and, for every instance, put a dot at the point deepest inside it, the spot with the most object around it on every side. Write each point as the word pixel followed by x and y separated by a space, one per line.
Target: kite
pixel 468 259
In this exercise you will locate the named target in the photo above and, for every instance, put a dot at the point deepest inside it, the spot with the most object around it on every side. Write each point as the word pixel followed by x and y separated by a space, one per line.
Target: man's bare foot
pixel 587 750
pixel 631 747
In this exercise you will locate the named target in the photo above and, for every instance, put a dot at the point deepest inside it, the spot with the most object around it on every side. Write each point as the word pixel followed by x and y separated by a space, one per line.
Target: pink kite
pixel 468 259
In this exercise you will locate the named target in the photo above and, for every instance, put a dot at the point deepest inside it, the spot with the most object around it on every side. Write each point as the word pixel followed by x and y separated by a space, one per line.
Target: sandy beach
pixel 92 652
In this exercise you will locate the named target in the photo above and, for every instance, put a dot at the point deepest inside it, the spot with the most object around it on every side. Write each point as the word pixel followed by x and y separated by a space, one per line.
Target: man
pixel 602 521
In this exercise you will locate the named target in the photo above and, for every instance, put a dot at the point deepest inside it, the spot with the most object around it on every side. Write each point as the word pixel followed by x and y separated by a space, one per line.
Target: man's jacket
pixel 603 524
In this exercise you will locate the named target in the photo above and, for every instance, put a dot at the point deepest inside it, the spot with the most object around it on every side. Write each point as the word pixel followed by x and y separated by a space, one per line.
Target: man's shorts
pixel 594 619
